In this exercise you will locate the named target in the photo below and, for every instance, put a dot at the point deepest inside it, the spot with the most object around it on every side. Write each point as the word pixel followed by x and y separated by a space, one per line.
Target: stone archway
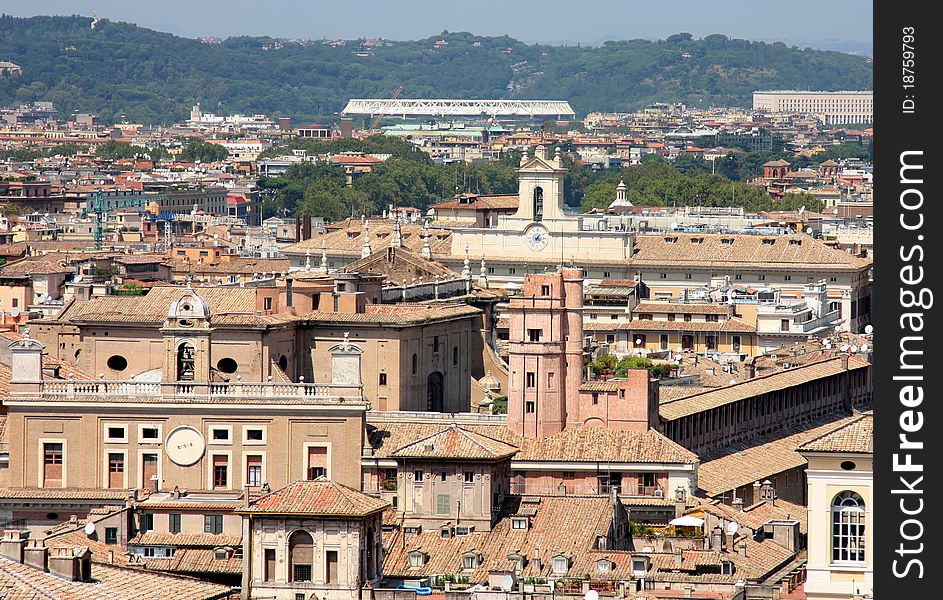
pixel 435 392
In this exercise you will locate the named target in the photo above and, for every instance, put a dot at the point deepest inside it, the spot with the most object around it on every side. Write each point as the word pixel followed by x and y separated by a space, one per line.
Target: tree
pixel 197 150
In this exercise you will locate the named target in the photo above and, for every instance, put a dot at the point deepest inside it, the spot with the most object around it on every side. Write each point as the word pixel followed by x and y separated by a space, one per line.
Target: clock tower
pixel 540 186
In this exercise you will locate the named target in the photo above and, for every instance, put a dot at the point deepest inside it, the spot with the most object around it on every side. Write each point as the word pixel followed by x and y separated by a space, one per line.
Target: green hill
pixel 121 69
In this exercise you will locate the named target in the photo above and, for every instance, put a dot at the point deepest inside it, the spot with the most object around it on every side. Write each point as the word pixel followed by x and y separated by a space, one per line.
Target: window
pixel 220 435
pixel 712 318
pixel 435 344
pixel 687 318
pixel 518 523
pixel 787 277
pixel 606 274
pixel 382 378
pixel 227 365
pixel 52 464
pixel 529 407
pixel 213 524
pixel 443 504
pixel 671 317
pixel 116 433
pixel 470 561
pixel 613 317
pixel 147 522
pixel 736 343
pixel 220 471
pixel 150 433
pixel 173 522
pixel 531 379
pixel 663 342
pixel 117 363
pixel 317 462
pixel 545 290
pixel 300 556
pixel 593 316
pixel 254 471
pixel 455 356
pixel 417 476
pixel 639 341
pixel 538 203
pixel 415 364
pixel 645 317
pixel 550 380
pixel 512 271
pixel 662 276
pixel 595 398
pixel 254 435
pixel 687 276
pixel 761 277
pixel 115 469
pixel 266 304
pixel 711 341
pixel 533 335
pixel 330 567
pixel 833 279
pixel 469 476
pixel 416 559
pixel 560 564
pixel 111 535
pixel 848 522
pixel 737 277
pixel 784 324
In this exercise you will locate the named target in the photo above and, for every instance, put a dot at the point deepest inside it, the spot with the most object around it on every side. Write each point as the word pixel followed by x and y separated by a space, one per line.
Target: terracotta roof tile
pixel 314 498
pixel 456 442
pixel 648 306
pixel 193 540
pixel 855 436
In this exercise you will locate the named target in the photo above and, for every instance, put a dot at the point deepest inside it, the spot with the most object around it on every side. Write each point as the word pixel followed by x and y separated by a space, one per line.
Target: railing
pixel 582 489
pixel 826 321
pixel 191 390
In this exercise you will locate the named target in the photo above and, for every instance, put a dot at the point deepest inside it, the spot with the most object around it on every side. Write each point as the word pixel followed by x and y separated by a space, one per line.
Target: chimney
pixel 742 549
pixel 71 562
pixel 175 494
pixel 12 544
pixel 132 495
pixel 717 538
pixel 679 556
pixel 768 492
pixel 737 504
pixel 155 484
pixel 536 562
pixel 36 555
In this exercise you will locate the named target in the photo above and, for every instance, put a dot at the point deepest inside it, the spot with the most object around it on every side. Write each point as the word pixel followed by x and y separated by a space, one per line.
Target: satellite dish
pixel 854 349
pixel 89 528
pixel 591 595
pixel 844 348
pixel 733 381
pixel 869 329
pixel 647 549
pixel 732 528
pixel 864 347
pixel 715 357
pixel 674 225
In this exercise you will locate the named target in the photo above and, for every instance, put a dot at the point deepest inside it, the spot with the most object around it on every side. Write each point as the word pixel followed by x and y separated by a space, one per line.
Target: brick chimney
pixel 737 504
pixel 679 556
pixel 71 562
pixel 13 543
pixel 36 555
pixel 717 538
pixel 742 549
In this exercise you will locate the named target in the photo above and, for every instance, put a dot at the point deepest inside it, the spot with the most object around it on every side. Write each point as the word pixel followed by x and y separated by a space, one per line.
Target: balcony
pixel 306 393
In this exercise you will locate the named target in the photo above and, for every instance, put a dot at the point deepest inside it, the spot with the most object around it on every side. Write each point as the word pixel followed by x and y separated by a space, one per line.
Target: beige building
pixel 312 539
pixel 833 108
pixel 841 511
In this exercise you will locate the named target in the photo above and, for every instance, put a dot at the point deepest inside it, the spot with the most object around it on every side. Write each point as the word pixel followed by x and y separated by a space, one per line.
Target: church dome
pixel 189 306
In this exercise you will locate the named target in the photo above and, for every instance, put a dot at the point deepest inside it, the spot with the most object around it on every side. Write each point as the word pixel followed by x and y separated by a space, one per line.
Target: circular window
pixel 185 307
pixel 52 516
pixel 227 365
pixel 117 363
pixel 848 465
pixel 283 363
pixel 78 353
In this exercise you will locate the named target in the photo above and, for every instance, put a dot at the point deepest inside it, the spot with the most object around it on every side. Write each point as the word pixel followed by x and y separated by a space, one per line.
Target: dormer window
pixel 795 242
pixel 471 560
pixel 768 241
pixel 464 530
pixel 445 532
pixel 670 240
pixel 604 565
pixel 417 558
pixel 519 523
pixel 561 565
pixel 639 566
pixel 697 240
pixel 726 241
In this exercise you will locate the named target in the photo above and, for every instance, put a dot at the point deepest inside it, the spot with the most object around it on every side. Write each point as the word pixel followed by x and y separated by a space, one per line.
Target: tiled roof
pixel 193 540
pixel 62 494
pixel 404 265
pixel 577 444
pixel 743 464
pixel 732 325
pixel 745 251
pixel 243 266
pixel 855 436
pixel 757 386
pixel 647 306
pixel 458 443
pixel 317 498
pixel 561 525
pixel 196 560
pixel 759 514
pixel 491 202
pixel 152 307
pixel 22 582
pixel 38 265
pixel 347 239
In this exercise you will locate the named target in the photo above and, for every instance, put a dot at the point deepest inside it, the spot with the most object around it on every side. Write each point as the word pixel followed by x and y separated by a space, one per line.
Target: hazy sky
pixel 828 24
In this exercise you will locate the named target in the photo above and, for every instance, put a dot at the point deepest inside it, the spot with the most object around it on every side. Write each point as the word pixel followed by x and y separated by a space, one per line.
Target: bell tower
pixel 540 186
pixel 187 335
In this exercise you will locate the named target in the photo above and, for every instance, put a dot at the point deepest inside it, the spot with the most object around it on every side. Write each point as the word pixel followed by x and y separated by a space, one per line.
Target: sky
pixel 844 25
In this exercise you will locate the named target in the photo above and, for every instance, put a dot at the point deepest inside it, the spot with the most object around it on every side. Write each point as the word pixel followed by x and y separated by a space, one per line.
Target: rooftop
pixel 319 498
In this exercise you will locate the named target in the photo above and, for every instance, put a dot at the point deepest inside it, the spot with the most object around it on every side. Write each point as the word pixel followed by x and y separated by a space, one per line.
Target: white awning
pixel 686 521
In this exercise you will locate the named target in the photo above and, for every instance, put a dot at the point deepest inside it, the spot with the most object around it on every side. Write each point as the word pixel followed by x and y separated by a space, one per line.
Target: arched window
pixel 186 362
pixel 848 527
pixel 538 203
pixel 300 556
pixel 415 364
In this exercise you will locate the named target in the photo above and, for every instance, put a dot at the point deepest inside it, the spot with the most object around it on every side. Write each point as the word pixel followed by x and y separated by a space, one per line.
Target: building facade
pixel 833 108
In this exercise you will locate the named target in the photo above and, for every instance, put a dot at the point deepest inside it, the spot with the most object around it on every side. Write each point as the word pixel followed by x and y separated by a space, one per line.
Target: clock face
pixel 537 237
pixel 184 445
